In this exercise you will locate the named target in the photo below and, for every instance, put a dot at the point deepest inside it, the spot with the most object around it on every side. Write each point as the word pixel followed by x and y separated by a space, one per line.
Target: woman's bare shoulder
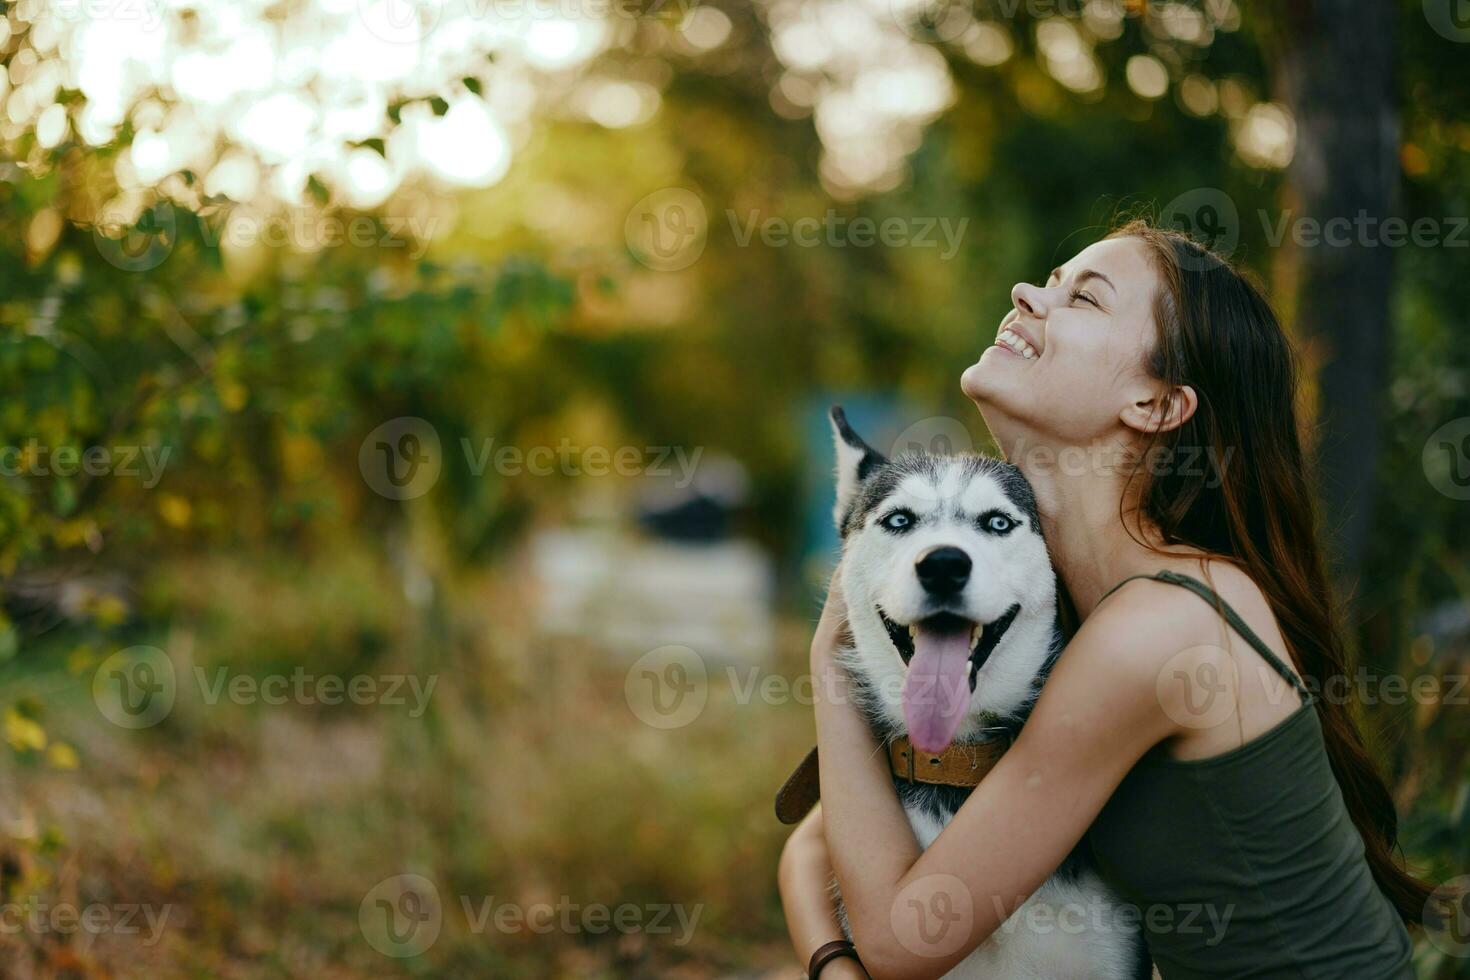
pixel 1149 631
pixel 1165 602
pixel 1150 617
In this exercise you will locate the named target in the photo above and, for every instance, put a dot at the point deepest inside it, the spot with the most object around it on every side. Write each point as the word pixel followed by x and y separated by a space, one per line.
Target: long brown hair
pixel 1251 503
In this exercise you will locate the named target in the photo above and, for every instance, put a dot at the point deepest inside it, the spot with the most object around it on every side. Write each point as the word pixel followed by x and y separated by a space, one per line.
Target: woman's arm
pixel 805 878
pixel 917 914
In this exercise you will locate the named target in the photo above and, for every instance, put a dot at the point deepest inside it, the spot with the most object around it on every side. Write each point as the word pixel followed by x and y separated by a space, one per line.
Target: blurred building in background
pixel 660 568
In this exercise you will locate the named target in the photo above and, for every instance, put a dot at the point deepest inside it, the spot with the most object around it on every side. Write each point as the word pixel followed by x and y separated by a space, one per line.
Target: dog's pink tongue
pixel 937 690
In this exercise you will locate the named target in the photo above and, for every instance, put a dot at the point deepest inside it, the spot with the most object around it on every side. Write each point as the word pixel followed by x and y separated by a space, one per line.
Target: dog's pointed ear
pixel 856 461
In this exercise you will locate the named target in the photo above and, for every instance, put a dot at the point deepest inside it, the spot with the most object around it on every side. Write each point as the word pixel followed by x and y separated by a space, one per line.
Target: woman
pixel 1147 392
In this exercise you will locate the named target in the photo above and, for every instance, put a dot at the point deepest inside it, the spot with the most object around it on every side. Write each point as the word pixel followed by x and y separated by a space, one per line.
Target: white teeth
pixel 1014 342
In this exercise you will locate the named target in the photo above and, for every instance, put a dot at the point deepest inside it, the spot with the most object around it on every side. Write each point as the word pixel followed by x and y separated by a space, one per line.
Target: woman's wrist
pixel 843 968
pixel 829 960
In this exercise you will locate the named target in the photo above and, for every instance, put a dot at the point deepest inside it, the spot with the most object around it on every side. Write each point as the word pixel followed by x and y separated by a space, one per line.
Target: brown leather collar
pixel 961 765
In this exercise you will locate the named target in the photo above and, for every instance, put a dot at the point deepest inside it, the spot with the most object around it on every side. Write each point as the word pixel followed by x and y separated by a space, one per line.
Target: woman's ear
pixel 1162 410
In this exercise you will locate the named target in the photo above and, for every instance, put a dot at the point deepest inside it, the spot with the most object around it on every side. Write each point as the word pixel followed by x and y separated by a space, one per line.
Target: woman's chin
pixel 977 381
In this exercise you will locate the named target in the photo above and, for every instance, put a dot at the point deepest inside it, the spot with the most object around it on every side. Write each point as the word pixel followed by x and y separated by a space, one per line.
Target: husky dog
pixel 952 604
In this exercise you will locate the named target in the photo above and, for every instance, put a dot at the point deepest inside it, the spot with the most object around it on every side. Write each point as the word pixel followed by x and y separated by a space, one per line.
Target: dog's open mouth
pixel 944 654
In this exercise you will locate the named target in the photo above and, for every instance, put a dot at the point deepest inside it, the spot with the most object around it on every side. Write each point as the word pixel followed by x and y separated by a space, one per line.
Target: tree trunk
pixel 1337 76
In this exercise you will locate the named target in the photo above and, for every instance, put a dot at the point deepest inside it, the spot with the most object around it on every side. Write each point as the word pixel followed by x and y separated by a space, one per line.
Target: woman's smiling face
pixel 1068 360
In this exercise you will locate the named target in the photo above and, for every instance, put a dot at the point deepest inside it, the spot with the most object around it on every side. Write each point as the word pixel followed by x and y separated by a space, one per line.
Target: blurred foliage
pixel 259 372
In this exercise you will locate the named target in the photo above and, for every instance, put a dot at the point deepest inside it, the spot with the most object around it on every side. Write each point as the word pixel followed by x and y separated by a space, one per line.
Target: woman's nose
pixel 1029 299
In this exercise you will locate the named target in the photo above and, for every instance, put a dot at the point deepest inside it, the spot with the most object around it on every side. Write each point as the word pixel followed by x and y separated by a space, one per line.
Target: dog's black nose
pixel 944 571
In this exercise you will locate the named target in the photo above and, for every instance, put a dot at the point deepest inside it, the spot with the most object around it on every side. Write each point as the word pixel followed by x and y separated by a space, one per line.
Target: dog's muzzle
pixel 984 639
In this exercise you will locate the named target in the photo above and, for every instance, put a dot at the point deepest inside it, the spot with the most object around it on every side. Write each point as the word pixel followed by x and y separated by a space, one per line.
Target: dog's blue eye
pixel 999 523
pixel 898 520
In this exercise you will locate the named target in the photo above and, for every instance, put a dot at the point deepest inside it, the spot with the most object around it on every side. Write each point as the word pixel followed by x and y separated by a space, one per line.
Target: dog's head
pixel 950 592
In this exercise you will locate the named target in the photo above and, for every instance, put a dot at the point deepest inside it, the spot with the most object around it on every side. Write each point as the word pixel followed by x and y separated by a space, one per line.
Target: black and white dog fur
pixel 952 604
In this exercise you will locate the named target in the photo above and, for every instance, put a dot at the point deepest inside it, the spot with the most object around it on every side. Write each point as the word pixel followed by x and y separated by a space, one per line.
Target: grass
pixel 527 780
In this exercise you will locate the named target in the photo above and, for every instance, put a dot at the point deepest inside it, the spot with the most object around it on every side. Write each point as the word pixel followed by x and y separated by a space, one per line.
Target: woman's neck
pixel 1078 493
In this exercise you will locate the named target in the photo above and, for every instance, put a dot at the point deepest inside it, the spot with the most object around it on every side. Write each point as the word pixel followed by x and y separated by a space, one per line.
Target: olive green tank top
pixel 1247 864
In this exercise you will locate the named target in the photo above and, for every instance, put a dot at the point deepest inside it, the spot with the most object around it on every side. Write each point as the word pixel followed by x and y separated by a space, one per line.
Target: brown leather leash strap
pixel 962 765
pixel 800 792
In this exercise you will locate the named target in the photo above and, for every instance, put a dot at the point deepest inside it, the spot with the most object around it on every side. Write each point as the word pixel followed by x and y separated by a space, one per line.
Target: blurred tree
pixel 1336 69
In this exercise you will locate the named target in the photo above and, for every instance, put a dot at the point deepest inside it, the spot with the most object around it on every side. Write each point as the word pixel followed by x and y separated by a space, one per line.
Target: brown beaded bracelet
pixel 828 952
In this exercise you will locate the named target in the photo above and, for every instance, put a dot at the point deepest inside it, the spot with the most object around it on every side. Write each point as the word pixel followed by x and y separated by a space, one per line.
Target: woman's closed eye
pixel 1084 296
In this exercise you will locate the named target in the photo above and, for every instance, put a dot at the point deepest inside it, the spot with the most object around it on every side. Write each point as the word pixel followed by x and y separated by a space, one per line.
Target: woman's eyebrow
pixel 1087 274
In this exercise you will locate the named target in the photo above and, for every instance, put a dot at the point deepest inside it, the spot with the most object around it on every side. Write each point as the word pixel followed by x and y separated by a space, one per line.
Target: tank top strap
pixel 1236 623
